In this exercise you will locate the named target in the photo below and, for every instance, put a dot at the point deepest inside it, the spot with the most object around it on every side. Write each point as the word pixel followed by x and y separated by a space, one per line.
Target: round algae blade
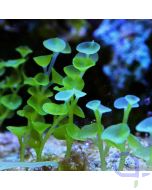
pixel 145 125
pixel 88 47
pixel 55 44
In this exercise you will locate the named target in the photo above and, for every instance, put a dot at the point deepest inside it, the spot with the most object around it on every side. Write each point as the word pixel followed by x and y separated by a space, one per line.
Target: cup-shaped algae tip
pixel 88 48
pixel 67 94
pixel 123 102
pixel 78 94
pixel 96 105
pixel 145 125
pixel 64 95
pixel 93 105
pixel 132 100
pixel 55 44
pixel 120 103
pixel 104 109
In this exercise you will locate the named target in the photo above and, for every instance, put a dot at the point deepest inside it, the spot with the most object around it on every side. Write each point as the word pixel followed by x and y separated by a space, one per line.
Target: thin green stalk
pixel 99 141
pixel 22 150
pixel 39 154
pixel 45 69
pixel 55 55
pixel 126 114
pixel 125 120
pixel 122 162
pixel 71 105
pixel 71 116
pixel 48 71
pixel 69 140
pixel 106 151
pixel 69 143
pixel 47 136
pixel 39 151
pixel 51 130
pixel 102 153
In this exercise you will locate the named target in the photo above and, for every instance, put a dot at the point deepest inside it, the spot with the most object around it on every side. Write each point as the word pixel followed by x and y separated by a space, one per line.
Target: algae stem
pixel 99 140
pixel 50 131
pixel 122 162
pixel 126 114
pixel 22 150
pixel 69 143
pixel 55 55
pixel 102 154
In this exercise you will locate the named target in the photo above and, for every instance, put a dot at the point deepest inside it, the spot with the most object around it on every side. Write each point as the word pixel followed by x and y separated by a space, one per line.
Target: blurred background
pixel 124 65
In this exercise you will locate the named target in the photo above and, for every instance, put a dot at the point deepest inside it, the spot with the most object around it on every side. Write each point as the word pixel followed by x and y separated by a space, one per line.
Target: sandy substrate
pixel 85 156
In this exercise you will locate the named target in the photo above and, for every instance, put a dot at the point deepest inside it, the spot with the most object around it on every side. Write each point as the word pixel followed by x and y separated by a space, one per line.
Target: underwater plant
pixel 127 103
pixel 130 53
pixel 11 84
pixel 57 97
pixel 37 132
pixel 33 135
pixel 70 91
pixel 117 135
pixel 99 110
pixel 145 153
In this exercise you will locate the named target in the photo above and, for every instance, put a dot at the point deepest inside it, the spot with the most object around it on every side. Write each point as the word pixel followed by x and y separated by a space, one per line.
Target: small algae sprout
pixel 12 82
pixel 116 136
pixel 70 91
pixel 88 48
pixel 99 110
pixel 70 99
pixel 32 134
pixel 146 126
pixel 139 150
pixel 122 131
pixel 41 101
pixel 57 46
pixel 127 103
pixel 57 97
pixel 36 132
